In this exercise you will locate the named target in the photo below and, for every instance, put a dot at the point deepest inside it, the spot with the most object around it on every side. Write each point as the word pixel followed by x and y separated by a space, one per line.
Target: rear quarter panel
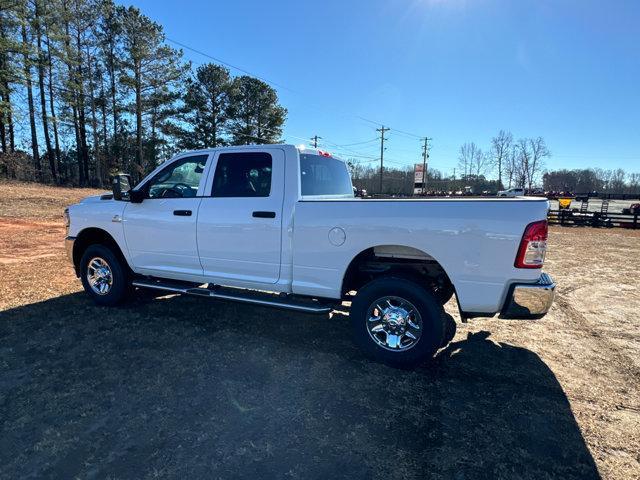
pixel 475 241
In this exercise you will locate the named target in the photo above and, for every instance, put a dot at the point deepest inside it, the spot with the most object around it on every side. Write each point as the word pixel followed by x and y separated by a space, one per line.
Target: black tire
pixel 430 309
pixel 120 283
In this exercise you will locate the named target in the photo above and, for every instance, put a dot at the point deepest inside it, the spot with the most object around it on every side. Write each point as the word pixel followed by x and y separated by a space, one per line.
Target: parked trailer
pixel 593 219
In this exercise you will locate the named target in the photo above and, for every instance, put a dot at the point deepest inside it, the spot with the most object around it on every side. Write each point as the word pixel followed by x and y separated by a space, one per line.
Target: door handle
pixel 182 213
pixel 259 214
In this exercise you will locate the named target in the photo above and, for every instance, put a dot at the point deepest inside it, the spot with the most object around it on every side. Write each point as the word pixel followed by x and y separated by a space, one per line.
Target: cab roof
pixel 301 148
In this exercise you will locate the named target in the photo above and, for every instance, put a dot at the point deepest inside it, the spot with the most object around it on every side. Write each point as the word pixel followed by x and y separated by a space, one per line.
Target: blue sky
pixel 455 70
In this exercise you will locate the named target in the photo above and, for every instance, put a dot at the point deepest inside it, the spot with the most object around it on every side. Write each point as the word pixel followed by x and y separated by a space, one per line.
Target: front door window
pixel 178 180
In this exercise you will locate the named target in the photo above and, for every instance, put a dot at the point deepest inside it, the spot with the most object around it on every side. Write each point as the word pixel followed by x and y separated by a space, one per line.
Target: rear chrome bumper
pixel 530 300
pixel 68 246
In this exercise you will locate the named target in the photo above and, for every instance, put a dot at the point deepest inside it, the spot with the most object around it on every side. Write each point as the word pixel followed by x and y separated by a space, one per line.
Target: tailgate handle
pixel 182 213
pixel 259 214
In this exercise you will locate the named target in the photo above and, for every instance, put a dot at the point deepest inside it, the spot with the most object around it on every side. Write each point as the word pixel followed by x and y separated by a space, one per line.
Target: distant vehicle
pixel 237 222
pixel 512 192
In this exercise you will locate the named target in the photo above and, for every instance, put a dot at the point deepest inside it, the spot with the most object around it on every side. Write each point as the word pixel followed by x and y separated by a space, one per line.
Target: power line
pixel 350 151
pixel 382 130
pixel 402 132
pixel 425 155
pixel 315 139
pixel 359 143
pixel 230 65
pixel 247 72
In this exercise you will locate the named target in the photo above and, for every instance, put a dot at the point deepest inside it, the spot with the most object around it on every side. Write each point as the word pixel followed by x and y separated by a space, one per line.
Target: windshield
pixel 324 176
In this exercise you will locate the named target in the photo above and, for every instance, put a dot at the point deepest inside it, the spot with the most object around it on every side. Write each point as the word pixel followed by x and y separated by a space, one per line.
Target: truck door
pixel 161 231
pixel 240 217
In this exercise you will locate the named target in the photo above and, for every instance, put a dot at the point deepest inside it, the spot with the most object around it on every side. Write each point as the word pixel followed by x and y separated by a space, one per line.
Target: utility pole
pixel 382 130
pixel 315 139
pixel 425 156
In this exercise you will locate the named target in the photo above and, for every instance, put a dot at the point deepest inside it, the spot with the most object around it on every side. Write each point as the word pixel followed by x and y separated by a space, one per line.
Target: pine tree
pixel 97 85
pixel 52 107
pixel 257 117
pixel 149 65
pixel 207 101
pixel 109 38
pixel 25 17
pixel 41 66
pixel 9 75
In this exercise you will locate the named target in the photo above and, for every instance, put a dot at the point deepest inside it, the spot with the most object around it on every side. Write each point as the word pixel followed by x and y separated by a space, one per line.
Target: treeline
pixel 592 180
pixel 516 163
pixel 88 88
pixel 401 181
pixel 521 163
pixel 513 163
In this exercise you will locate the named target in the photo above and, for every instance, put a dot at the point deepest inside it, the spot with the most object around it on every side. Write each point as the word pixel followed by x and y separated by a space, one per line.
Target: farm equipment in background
pixel 564 203
pixel 582 216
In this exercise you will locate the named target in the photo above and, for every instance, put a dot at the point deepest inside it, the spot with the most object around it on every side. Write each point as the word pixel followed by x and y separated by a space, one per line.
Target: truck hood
pixel 97 198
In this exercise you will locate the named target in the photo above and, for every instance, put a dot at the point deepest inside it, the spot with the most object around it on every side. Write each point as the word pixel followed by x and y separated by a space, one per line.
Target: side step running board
pixel 238 295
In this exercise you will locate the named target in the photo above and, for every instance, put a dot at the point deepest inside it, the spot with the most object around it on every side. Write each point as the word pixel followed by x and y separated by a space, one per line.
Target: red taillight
pixel 322 153
pixel 533 246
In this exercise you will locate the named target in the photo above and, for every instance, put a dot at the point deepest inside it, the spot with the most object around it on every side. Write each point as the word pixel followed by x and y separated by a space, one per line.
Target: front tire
pixel 103 275
pixel 397 321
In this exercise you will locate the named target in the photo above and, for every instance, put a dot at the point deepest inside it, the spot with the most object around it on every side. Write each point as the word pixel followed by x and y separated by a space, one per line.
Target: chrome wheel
pixel 99 276
pixel 394 323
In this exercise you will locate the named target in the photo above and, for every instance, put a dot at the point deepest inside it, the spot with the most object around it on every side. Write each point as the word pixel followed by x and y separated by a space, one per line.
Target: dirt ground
pixel 190 388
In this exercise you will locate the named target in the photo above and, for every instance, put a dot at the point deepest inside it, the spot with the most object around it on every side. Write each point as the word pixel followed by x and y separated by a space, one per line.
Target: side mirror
pixel 121 186
pixel 136 196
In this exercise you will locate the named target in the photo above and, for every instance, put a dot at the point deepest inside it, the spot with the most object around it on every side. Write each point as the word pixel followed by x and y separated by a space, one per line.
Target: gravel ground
pixel 188 388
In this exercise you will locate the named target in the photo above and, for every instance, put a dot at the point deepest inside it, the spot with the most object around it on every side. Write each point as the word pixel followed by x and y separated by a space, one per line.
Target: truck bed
pixel 475 240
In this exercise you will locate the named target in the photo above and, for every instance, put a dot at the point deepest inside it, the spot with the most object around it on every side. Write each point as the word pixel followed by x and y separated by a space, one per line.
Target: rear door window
pixel 245 174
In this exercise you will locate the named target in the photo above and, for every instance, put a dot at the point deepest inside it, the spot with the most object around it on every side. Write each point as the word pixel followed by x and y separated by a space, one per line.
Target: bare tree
pixel 510 165
pixel 634 182
pixel 535 161
pixel 500 151
pixel 616 183
pixel 482 163
pixel 520 163
pixel 469 157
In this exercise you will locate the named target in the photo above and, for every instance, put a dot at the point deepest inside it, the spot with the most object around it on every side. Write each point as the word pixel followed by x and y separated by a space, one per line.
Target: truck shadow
pixel 182 387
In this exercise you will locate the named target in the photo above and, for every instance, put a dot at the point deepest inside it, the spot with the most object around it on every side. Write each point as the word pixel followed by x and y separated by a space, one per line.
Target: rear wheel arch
pixel 421 268
pixel 96 236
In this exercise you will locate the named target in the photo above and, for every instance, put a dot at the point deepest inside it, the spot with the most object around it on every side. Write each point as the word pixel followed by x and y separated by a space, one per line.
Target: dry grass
pixel 182 387
pixel 35 201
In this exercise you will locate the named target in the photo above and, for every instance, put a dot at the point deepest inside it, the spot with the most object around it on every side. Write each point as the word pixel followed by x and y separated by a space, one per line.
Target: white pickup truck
pixel 512 192
pixel 279 226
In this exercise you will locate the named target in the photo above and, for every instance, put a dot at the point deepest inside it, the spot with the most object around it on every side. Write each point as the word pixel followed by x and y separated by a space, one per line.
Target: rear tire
pixel 103 275
pixel 384 316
